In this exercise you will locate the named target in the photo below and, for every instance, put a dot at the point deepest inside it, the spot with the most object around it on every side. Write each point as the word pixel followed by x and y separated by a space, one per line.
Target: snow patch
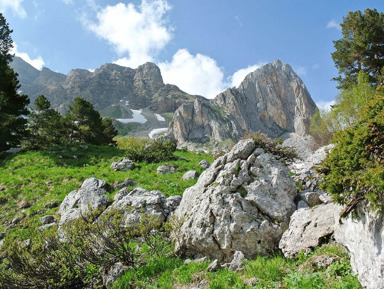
pixel 136 117
pixel 159 117
pixel 157 131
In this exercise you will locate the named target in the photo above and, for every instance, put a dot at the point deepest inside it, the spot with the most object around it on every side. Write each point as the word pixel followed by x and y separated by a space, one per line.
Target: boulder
pixel 310 198
pixel 166 169
pixel 91 195
pixel 242 202
pixel 140 201
pixel 213 266
pixel 363 236
pixel 190 175
pixel 305 170
pixel 125 183
pixel 123 165
pixel 308 229
pixel 204 164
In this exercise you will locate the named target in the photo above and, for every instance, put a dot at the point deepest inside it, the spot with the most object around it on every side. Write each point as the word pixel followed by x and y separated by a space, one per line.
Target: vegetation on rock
pixel 354 170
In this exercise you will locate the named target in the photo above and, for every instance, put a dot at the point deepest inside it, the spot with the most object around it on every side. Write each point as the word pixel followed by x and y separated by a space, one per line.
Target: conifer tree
pixel 13 106
pixel 46 125
pixel 361 48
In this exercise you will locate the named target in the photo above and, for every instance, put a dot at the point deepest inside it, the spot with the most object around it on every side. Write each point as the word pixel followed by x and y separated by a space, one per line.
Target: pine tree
pixel 13 106
pixel 361 48
pixel 86 125
pixel 46 125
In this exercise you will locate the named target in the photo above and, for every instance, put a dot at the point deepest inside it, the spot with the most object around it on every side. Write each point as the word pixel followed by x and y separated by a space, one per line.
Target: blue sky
pixel 203 46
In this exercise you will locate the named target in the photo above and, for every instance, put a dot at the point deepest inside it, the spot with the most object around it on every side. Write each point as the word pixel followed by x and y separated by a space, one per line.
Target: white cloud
pixel 14 5
pixel 37 63
pixel 68 2
pixel 301 70
pixel 238 77
pixel 136 33
pixel 316 66
pixel 325 105
pixel 195 74
pixel 334 24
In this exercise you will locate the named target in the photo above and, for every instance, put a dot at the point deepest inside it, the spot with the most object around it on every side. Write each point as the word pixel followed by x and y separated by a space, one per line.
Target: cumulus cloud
pixel 195 74
pixel 325 105
pixel 334 24
pixel 14 5
pixel 239 75
pixel 136 33
pixel 37 62
pixel 300 70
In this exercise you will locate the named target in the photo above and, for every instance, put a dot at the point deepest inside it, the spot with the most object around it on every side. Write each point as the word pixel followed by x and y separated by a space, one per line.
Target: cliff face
pixel 272 100
pixel 108 85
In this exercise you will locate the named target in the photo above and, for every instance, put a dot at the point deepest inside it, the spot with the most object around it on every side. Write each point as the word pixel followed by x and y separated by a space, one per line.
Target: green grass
pixel 262 272
pixel 49 175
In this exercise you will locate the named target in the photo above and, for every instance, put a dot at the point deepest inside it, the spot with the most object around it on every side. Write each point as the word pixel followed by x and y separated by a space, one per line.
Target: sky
pixel 202 46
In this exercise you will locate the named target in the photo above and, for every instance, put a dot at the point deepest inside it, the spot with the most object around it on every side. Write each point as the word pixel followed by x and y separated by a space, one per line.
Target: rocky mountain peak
pixel 272 100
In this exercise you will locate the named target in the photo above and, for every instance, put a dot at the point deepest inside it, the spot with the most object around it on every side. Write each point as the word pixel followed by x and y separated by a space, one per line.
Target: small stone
pixel 123 165
pixel 190 175
pixel 44 227
pixel 199 260
pixel 213 266
pixel 125 183
pixel 51 205
pixel 25 205
pixel 251 282
pixel 166 169
pixel 237 261
pixel 302 205
pixel 187 261
pixel 115 272
pixel 47 219
pixel 204 164
pixel 16 220
pixel 2 235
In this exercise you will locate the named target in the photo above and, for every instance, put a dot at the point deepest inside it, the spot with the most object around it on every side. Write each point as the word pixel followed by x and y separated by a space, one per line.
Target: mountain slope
pixel 272 100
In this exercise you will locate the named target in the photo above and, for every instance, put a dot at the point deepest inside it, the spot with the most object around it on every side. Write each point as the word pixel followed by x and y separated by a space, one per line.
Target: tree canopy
pixel 13 106
pixel 360 48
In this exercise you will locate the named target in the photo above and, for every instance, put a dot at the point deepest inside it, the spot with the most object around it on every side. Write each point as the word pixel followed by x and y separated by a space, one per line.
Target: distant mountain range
pixel 272 99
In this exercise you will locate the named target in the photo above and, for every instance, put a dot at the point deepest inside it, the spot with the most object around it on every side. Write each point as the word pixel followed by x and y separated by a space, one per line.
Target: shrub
pixel 74 256
pixel 146 150
pixel 275 147
pixel 354 170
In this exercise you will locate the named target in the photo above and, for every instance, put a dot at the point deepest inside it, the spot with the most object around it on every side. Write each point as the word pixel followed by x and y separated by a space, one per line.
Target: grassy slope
pixel 49 175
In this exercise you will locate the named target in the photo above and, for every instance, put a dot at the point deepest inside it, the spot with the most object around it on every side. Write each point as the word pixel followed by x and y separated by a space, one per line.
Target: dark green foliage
pixel 12 104
pixel 275 147
pixel 354 170
pixel 76 256
pixel 84 124
pixel 46 126
pixel 361 48
pixel 146 150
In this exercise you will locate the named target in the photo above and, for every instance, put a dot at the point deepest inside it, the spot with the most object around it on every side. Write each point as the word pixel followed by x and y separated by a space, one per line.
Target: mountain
pixel 272 100
pixel 137 97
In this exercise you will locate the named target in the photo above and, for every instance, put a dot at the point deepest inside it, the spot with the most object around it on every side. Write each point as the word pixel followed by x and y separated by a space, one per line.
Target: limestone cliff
pixel 272 100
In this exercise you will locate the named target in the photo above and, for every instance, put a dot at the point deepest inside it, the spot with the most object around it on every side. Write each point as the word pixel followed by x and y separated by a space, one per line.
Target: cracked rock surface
pixel 242 202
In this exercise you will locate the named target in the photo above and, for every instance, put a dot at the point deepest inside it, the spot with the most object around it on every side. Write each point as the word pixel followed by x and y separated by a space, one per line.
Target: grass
pixel 262 272
pixel 49 175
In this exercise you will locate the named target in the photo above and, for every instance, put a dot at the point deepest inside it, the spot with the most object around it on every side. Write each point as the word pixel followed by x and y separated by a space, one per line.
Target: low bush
pixel 75 256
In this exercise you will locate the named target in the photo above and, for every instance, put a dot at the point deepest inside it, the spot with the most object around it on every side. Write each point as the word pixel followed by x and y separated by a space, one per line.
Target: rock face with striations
pixel 272 100
pixel 242 202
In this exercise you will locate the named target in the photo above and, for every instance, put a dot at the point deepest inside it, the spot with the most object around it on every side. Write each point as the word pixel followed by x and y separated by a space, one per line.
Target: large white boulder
pixel 242 202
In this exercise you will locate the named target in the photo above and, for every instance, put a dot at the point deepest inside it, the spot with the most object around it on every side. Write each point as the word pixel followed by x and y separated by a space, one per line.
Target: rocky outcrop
pixel 140 201
pixel 272 100
pixel 242 202
pixel 123 165
pixel 91 195
pixel 363 236
pixel 308 228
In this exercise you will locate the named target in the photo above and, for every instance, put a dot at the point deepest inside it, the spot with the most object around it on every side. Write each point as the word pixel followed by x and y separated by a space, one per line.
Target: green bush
pixel 146 150
pixel 354 170
pixel 75 256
